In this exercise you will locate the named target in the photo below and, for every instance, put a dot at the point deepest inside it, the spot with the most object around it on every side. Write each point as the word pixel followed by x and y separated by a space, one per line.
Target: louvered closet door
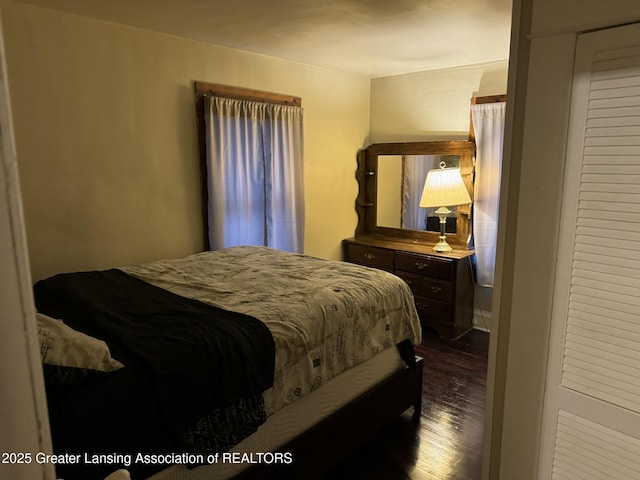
pixel 591 419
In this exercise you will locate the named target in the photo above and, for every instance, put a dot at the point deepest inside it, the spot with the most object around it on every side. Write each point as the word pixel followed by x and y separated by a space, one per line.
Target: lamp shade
pixel 444 187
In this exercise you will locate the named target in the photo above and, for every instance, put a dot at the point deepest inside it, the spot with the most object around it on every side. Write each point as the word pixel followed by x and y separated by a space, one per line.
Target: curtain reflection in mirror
pixel 415 168
pixel 414 174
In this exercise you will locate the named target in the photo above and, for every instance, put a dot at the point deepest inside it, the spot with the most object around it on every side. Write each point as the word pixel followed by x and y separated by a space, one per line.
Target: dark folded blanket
pixel 200 357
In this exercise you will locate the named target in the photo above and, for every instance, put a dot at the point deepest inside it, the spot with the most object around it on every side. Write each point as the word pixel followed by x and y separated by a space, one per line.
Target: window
pixel 252 162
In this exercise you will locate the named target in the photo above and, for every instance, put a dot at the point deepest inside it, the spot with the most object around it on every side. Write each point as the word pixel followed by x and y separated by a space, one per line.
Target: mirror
pixel 391 178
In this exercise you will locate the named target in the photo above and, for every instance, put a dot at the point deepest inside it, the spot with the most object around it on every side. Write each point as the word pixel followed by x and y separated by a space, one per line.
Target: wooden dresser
pixel 442 284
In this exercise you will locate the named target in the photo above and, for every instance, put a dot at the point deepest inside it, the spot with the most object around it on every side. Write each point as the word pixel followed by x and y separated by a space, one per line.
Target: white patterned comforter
pixel 325 316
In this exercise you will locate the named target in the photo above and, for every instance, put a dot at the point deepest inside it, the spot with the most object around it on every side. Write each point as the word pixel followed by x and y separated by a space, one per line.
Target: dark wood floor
pixel 446 444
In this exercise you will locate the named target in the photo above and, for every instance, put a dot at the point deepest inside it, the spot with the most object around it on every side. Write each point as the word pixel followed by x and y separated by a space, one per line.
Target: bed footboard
pixel 317 450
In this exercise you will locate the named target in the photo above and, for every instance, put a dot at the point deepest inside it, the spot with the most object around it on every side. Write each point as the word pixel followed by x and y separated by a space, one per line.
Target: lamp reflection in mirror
pixel 444 188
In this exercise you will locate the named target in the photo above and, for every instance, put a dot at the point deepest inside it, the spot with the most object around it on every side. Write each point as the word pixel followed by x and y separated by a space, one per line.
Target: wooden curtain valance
pixel 488 99
pixel 481 100
pixel 226 91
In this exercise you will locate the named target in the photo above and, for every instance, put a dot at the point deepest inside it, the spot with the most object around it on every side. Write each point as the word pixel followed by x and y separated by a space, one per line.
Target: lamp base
pixel 442 246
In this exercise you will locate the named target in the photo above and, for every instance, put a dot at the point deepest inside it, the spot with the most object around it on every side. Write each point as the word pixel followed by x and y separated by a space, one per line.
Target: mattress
pixel 294 419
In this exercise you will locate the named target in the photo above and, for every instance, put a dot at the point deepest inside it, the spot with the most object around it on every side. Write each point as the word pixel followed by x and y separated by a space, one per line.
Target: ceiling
pixel 369 37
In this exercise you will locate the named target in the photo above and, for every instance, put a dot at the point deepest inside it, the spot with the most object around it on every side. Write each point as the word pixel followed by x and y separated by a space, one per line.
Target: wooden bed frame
pixel 316 450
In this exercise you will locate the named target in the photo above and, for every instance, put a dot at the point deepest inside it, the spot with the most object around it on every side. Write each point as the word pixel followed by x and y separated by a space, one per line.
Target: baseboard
pixel 482 320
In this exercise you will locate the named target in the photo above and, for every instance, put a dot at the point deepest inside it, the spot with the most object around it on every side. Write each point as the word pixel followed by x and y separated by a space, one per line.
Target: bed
pixel 302 351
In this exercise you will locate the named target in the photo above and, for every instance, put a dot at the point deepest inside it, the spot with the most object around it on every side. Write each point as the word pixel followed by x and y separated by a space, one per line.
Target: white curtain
pixel 255 174
pixel 413 178
pixel 488 124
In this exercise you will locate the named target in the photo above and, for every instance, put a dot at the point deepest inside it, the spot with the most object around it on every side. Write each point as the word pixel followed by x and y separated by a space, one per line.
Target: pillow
pixel 62 346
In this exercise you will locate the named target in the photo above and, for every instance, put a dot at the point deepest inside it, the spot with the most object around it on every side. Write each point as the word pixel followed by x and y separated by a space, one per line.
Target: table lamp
pixel 443 188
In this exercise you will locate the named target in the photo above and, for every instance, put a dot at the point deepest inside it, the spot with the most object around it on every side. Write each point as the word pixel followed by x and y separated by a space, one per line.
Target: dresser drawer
pixel 371 256
pixel 428 287
pixel 441 268
pixel 429 309
pixel 437 289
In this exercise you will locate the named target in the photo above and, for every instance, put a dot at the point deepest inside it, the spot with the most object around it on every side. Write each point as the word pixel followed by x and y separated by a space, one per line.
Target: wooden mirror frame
pixel 367 200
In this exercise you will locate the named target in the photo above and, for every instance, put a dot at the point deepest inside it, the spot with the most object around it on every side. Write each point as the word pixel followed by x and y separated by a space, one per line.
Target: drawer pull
pixel 435 289
pixel 370 256
pixel 421 265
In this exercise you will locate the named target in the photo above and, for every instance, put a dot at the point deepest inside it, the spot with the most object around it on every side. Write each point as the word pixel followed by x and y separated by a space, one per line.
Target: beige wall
pixel 550 17
pixel 106 138
pixel 431 105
